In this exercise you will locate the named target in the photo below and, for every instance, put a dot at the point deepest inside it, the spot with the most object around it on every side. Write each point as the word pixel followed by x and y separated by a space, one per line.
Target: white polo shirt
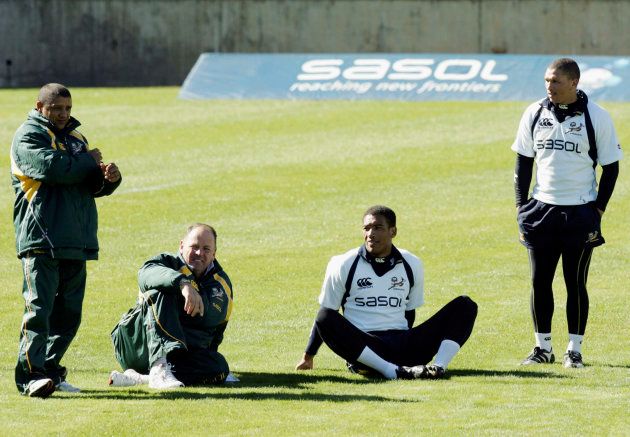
pixel 374 303
pixel 565 173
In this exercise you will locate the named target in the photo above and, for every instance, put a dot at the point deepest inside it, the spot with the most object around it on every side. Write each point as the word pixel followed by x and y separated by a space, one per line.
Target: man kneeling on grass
pixel 379 287
pixel 174 330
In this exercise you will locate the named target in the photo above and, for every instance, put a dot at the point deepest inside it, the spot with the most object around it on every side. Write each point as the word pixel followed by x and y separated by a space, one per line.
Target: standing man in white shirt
pixel 566 135
pixel 378 287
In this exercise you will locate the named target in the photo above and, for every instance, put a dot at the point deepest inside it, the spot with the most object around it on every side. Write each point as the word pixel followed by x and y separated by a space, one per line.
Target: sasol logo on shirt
pixel 378 301
pixel 550 144
pixel 403 69
pixel 364 282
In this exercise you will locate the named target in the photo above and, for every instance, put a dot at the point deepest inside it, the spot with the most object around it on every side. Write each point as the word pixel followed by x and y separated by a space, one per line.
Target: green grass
pixel 285 183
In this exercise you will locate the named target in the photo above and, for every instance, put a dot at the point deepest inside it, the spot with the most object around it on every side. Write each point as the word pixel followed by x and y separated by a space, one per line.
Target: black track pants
pixel 575 265
pixel 409 347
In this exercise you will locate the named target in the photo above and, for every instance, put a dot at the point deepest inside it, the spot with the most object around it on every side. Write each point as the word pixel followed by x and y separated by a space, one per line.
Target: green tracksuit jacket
pixel 55 182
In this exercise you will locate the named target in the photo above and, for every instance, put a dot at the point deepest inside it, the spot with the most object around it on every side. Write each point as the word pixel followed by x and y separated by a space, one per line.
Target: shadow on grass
pixel 299 379
pixel 246 389
pixel 257 385
pixel 504 373
pixel 613 366
pixel 184 394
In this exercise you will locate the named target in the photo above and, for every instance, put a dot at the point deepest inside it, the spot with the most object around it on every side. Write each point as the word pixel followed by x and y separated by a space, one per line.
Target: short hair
pixel 567 66
pixel 49 92
pixel 387 213
pixel 201 225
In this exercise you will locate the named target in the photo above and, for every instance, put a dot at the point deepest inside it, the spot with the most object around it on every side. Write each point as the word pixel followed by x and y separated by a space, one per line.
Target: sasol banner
pixel 404 76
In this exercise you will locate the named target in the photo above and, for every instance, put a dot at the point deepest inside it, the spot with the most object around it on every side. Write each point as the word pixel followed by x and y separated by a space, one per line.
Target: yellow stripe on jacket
pixel 28 185
pixel 228 292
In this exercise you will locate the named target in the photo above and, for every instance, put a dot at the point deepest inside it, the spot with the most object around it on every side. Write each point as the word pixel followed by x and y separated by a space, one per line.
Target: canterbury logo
pixel 545 122
pixel 364 282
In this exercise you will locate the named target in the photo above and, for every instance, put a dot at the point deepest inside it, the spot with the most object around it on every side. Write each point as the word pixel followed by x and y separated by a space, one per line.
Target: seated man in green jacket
pixel 174 330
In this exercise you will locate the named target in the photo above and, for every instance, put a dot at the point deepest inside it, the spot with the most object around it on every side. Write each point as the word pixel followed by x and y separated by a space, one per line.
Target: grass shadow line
pixel 504 373
pixel 613 366
pixel 298 379
pixel 182 394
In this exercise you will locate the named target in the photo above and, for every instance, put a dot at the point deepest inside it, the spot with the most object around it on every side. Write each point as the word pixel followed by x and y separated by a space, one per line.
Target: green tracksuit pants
pixel 53 292
pixel 152 330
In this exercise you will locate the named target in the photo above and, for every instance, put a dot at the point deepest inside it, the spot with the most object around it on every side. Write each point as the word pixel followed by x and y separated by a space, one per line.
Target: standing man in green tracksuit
pixel 56 178
pixel 174 330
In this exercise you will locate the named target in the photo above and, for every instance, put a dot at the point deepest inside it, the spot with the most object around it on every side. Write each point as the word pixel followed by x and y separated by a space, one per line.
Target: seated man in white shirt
pixel 378 287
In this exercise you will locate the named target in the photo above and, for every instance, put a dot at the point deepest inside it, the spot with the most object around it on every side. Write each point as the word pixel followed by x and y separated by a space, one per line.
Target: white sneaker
pixel 40 388
pixel 65 386
pixel 161 377
pixel 128 378
pixel 572 359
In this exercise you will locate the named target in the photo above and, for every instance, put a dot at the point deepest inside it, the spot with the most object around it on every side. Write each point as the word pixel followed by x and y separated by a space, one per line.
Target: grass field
pixel 285 183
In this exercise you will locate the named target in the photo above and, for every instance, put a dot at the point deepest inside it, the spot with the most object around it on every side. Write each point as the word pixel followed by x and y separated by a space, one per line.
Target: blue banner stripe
pixel 401 76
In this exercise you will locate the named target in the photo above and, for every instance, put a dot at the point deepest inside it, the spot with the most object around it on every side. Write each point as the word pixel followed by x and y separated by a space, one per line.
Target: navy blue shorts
pixel 544 226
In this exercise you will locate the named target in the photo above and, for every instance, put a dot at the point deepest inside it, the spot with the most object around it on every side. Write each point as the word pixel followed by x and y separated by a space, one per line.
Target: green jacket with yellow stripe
pixel 163 273
pixel 55 182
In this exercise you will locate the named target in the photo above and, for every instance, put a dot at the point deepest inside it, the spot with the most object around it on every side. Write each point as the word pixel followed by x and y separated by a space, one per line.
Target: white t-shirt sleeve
pixel 416 293
pixel 608 148
pixel 524 142
pixel 334 286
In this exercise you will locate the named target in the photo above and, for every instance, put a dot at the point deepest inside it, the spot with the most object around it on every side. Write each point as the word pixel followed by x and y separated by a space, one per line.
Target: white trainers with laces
pixel 128 378
pixel 161 376
pixel 40 388
pixel 65 386
pixel 539 356
pixel 572 359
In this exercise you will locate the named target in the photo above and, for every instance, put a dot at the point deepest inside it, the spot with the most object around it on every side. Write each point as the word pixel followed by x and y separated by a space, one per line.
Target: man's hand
pixel 96 154
pixel 193 304
pixel 110 172
pixel 306 363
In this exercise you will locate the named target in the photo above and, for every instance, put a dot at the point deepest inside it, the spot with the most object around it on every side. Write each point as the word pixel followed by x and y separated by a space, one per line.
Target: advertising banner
pixel 401 76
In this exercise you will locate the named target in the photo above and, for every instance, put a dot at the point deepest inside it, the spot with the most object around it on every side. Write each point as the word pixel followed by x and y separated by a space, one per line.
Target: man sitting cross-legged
pixel 378 287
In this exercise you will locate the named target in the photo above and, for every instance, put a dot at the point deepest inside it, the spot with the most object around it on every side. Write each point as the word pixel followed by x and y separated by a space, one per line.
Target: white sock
pixel 575 343
pixel 370 359
pixel 543 340
pixel 445 354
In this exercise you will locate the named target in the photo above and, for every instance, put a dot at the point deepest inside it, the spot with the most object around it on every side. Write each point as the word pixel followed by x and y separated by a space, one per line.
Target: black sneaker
pixel 420 372
pixel 572 359
pixel 40 388
pixel 539 356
